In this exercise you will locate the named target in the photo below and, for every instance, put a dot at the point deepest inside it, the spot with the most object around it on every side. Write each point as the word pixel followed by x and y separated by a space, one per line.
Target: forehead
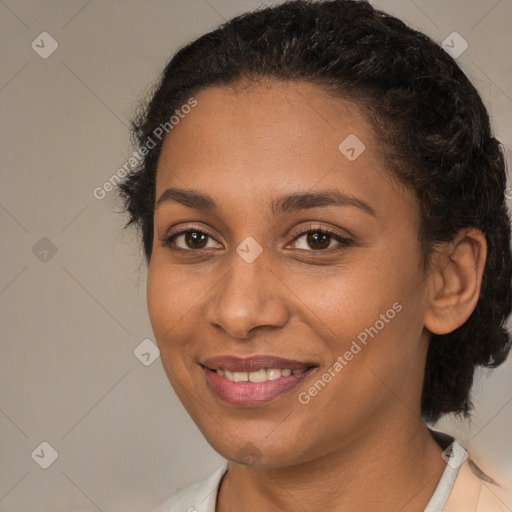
pixel 248 142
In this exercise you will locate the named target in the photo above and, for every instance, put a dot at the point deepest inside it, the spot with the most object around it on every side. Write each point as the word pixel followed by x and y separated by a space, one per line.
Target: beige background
pixel 70 324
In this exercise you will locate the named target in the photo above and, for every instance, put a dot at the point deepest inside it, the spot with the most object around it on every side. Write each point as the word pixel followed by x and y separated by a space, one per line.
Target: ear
pixel 455 281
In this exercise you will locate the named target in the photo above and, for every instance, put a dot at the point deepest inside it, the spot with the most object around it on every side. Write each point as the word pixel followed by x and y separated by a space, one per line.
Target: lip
pixel 252 394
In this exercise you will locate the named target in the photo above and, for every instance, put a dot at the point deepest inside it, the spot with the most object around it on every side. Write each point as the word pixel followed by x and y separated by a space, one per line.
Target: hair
pixel 429 118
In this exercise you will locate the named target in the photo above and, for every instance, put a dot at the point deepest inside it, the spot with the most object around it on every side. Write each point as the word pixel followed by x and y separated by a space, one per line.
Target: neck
pixel 390 470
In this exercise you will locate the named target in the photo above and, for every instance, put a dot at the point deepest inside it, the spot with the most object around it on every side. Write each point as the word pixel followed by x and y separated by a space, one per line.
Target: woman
pixel 322 210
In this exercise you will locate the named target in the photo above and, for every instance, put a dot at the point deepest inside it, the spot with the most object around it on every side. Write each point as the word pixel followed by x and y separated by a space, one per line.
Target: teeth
pixel 260 375
pixel 273 374
pixel 240 376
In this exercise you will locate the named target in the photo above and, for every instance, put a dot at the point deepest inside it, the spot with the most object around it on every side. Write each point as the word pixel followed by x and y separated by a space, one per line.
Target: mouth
pixel 255 380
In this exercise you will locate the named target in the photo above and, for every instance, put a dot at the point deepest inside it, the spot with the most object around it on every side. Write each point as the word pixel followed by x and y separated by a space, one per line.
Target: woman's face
pixel 341 305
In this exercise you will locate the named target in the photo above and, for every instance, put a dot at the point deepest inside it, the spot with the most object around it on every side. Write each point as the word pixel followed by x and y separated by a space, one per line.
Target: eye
pixel 191 238
pixel 319 239
pixel 316 239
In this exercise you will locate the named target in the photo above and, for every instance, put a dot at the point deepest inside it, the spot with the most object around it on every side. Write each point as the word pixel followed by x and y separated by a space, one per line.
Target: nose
pixel 249 296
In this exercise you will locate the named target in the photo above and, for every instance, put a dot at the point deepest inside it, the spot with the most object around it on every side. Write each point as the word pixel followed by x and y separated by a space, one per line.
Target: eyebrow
pixel 284 204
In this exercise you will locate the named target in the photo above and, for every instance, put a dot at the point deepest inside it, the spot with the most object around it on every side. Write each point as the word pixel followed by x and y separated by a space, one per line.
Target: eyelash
pixel 342 242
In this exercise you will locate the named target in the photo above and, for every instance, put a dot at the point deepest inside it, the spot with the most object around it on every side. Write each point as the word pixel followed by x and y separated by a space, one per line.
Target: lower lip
pixel 247 394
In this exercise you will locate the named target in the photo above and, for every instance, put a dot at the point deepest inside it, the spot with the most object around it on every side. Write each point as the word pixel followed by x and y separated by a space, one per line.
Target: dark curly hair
pixel 428 116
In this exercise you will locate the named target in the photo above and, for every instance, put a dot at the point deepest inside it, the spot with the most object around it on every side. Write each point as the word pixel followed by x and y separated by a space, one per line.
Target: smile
pixel 253 381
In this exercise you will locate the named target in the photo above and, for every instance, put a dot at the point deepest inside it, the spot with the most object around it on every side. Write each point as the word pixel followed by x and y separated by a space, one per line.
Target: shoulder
pixel 474 491
pixel 199 497
pixel 463 486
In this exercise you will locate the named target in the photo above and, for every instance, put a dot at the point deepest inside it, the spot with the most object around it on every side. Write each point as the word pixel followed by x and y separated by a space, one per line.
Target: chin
pixel 257 450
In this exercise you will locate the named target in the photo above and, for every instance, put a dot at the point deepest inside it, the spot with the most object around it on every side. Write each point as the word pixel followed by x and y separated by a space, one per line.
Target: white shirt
pixel 462 488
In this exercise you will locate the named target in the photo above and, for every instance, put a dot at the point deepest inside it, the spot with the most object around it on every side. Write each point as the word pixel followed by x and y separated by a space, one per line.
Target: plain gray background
pixel 71 319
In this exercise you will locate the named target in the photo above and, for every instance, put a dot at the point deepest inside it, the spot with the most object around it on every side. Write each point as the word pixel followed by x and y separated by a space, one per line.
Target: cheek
pixel 157 298
pixel 176 313
pixel 171 293
pixel 167 302
pixel 353 296
pixel 372 317
pixel 376 369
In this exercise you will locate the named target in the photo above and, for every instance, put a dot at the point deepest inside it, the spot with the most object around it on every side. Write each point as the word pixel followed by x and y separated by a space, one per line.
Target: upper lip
pixel 254 363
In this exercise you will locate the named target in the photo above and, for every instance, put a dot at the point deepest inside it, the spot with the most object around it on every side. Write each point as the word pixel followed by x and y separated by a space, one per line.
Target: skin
pixel 359 444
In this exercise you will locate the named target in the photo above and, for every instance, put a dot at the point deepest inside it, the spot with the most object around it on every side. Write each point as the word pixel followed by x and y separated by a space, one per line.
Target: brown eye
pixel 320 240
pixel 193 239
pixel 317 240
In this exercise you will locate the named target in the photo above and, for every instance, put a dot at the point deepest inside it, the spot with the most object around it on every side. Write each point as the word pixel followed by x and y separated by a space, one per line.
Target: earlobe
pixel 455 281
